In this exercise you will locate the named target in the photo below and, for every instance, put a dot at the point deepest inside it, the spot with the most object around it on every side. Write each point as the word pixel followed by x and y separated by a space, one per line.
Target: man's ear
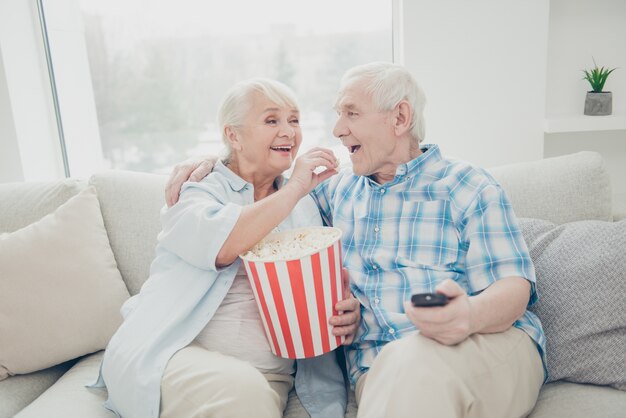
pixel 232 138
pixel 403 115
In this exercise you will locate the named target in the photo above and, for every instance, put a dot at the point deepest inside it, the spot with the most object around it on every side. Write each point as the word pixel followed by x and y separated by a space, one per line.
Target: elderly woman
pixel 192 343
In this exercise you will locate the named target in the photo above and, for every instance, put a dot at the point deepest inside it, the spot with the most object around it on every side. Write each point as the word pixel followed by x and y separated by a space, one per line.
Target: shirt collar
pixel 234 181
pixel 430 156
pixel 237 183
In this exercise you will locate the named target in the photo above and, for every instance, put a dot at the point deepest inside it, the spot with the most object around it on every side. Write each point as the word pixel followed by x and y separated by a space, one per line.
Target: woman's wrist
pixel 294 189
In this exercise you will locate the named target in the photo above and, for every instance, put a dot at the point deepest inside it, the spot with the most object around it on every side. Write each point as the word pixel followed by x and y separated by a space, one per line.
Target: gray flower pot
pixel 599 104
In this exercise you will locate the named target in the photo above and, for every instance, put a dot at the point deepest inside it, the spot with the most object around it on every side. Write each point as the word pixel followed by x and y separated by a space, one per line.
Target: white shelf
pixel 583 123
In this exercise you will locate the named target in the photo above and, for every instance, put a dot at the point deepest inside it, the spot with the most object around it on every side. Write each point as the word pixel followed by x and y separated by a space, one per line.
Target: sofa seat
pixel 68 398
pixel 19 391
pixel 575 400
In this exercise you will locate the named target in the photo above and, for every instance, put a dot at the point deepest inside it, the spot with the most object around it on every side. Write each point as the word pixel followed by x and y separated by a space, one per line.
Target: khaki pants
pixel 201 383
pixel 487 375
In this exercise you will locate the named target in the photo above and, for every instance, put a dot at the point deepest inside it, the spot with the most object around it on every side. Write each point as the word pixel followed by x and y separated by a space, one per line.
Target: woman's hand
pixel 188 170
pixel 304 177
pixel 347 322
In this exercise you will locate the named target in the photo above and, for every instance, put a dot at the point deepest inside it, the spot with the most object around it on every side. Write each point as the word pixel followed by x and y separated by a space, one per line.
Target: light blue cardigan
pixel 183 292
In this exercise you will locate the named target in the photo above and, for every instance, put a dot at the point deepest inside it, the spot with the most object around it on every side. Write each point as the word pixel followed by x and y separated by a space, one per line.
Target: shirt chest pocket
pixel 426 234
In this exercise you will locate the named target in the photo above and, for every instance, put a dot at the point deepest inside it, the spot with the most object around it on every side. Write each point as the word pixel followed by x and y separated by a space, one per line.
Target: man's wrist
pixel 474 321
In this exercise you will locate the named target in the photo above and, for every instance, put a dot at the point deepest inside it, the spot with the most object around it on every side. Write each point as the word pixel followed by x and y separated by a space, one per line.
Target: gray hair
pixel 238 102
pixel 388 85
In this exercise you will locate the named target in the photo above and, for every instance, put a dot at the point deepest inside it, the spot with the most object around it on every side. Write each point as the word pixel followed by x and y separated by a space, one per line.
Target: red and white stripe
pixel 296 298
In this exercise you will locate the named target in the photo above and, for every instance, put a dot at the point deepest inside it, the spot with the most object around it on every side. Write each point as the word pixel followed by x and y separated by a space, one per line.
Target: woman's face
pixel 270 137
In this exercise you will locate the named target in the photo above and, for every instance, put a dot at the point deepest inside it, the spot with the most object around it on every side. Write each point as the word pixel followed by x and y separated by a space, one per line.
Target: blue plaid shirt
pixel 437 219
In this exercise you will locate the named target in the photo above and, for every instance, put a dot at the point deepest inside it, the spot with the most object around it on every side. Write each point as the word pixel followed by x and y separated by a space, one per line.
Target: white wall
pixel 10 164
pixel 482 65
pixel 580 30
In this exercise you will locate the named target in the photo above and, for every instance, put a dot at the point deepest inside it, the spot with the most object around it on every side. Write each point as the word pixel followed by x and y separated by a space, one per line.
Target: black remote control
pixel 425 300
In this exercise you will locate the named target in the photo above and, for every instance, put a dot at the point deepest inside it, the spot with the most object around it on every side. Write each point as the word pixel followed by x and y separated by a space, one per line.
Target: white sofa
pixel 564 189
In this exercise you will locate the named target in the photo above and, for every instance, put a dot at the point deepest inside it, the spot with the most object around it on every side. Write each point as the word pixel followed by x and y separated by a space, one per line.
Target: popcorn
pixel 291 245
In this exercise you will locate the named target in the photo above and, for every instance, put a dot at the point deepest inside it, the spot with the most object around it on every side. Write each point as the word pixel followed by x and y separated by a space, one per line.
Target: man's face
pixel 366 131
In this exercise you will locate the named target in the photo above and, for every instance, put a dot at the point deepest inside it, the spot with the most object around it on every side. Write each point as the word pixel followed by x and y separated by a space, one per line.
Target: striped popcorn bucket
pixel 296 297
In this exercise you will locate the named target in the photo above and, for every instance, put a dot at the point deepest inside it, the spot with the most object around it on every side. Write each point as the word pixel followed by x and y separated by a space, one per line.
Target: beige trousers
pixel 201 383
pixel 487 375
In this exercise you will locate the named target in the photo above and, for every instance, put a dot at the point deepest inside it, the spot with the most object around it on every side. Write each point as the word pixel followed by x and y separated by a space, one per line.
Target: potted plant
pixel 598 102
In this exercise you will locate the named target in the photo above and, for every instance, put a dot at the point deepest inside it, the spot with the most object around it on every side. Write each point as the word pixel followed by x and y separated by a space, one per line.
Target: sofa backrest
pixel 21 204
pixel 131 203
pixel 562 189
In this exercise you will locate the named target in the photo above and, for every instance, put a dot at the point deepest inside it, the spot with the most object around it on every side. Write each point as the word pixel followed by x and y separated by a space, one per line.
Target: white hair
pixel 238 102
pixel 388 85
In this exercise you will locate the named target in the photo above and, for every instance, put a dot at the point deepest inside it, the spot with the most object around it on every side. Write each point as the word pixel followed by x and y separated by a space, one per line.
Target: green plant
pixel 597 77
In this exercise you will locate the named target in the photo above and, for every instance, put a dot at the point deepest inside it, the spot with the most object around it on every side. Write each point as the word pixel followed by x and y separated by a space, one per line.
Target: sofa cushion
pixel 581 271
pixel 131 203
pixel 18 391
pixel 60 290
pixel 561 189
pixel 573 400
pixel 22 204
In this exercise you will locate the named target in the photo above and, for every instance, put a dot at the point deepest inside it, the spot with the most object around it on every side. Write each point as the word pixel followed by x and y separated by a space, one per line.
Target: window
pixel 159 68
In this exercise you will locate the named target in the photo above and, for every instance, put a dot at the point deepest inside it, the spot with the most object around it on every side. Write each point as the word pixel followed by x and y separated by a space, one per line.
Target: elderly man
pixel 416 222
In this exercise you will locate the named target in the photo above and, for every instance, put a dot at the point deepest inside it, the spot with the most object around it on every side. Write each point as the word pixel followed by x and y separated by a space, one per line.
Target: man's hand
pixel 189 170
pixel 347 322
pixel 449 324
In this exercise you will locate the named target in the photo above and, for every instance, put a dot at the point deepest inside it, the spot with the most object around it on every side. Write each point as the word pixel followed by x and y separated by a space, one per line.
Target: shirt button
pixel 376 301
pixel 382 191
pixel 377 229
pixel 392 331
pixel 374 266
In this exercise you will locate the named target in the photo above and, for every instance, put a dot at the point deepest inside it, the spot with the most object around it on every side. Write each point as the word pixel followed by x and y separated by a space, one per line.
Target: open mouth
pixel 282 148
pixel 354 148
